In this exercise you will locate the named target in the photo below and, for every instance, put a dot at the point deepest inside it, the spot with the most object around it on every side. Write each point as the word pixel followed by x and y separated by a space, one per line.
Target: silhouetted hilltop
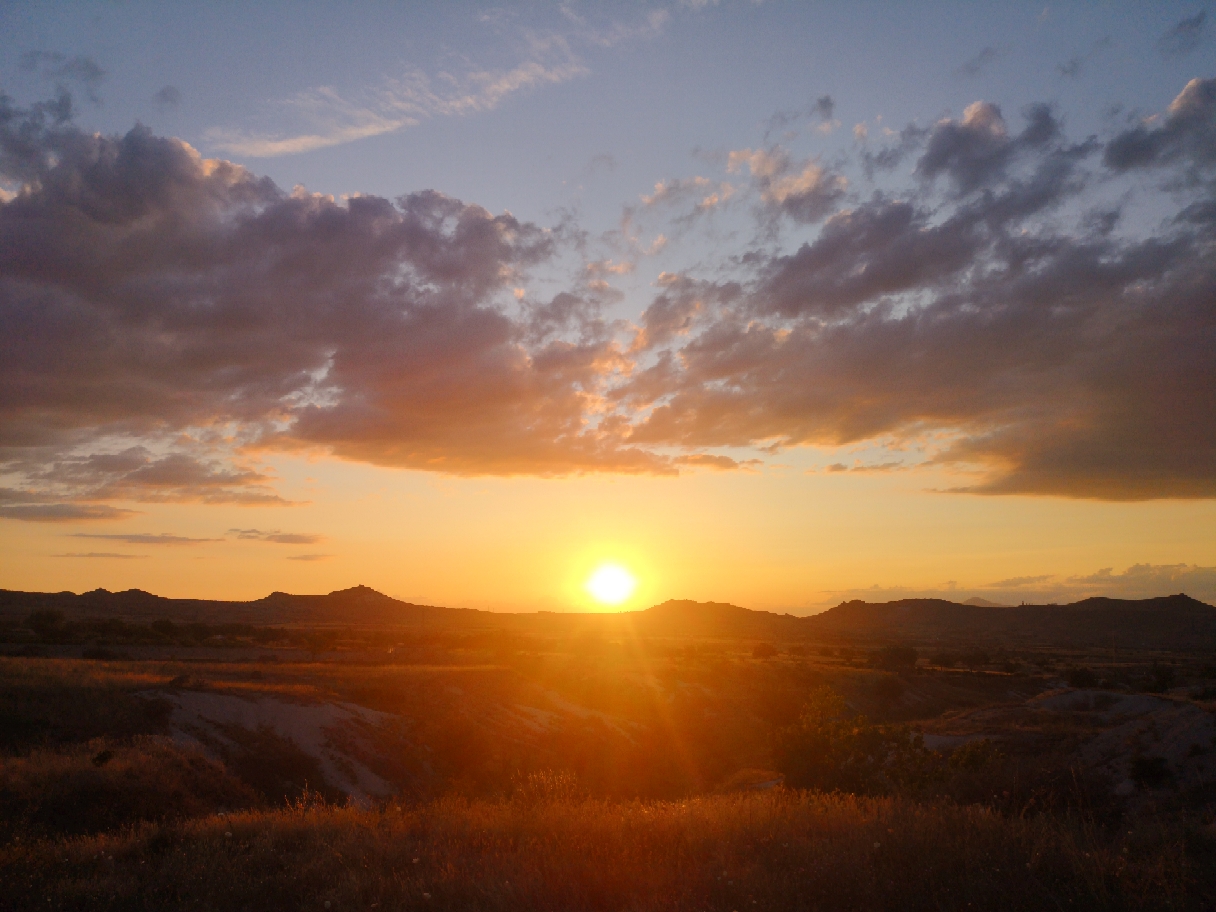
pixel 1172 621
pixel 682 617
pixel 358 606
pixel 1167 622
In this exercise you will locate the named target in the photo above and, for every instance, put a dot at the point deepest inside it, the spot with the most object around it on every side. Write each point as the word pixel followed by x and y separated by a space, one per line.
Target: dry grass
pixel 762 852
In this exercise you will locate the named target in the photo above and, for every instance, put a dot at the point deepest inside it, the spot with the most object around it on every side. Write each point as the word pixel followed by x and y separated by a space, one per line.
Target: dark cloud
pixel 145 292
pixel 168 97
pixel 281 538
pixel 79 70
pixel 1071 69
pixel 165 321
pixel 889 157
pixel 1057 359
pixel 823 107
pixel 148 538
pixel 1184 37
pixel 1186 133
pixel 980 62
pixel 978 150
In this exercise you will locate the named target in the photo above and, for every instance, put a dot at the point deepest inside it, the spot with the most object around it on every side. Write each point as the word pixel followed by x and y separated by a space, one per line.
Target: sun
pixel 611 584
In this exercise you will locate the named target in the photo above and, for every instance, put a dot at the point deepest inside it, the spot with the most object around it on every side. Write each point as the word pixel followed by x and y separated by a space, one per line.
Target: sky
pixel 771 303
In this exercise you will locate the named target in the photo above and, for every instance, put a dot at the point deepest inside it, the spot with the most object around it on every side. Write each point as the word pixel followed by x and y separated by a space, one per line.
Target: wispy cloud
pixel 148 538
pixel 277 537
pixel 310 557
pixel 105 555
pixel 400 102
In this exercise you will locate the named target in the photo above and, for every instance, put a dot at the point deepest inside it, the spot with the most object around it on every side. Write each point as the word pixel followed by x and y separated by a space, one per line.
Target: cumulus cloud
pixel 1057 359
pixel 150 296
pixel 805 191
pixel 1186 133
pixel 166 321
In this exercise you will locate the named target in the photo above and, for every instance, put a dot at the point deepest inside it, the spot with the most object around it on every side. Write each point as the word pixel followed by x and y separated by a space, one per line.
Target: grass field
pixel 777 851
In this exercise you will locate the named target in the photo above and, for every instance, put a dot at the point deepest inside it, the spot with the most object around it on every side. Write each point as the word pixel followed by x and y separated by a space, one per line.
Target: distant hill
pixel 359 606
pixel 688 618
pixel 1169 622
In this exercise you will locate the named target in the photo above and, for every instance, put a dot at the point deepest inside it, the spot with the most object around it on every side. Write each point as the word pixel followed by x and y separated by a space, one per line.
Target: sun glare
pixel 611 584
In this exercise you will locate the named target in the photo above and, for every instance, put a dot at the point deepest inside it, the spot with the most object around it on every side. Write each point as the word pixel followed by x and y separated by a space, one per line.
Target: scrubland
pixel 780 850
pixel 581 773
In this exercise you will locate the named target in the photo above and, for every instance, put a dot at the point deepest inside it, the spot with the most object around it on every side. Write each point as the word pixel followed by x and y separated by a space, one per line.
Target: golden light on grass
pixel 611 584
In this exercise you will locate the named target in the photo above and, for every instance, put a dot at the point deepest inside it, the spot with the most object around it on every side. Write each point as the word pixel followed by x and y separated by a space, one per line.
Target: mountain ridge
pixel 1173 621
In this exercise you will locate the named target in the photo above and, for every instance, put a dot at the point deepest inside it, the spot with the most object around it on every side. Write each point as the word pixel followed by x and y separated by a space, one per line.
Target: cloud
pixel 1184 37
pixel 309 557
pixel 106 555
pixel 281 538
pixel 707 193
pixel 806 192
pixel 980 62
pixel 977 150
pixel 147 538
pixel 717 462
pixel 168 98
pixel 194 310
pixel 78 70
pixel 1045 355
pixel 62 512
pixel 398 103
pixel 169 322
pixel 1071 69
pixel 1187 133
pixel 137 474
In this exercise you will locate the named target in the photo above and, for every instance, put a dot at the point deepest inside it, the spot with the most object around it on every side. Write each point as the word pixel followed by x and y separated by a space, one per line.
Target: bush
pixel 894 658
pixel 828 750
pixel 92 788
pixel 975 755
pixel 764 651
pixel 1082 677
pixel 889 688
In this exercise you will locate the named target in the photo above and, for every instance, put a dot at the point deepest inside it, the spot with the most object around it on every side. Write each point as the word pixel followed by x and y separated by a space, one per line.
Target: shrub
pixel 894 658
pixel 829 750
pixel 1082 677
pixel 975 754
pixel 92 788
pixel 889 688
pixel 764 651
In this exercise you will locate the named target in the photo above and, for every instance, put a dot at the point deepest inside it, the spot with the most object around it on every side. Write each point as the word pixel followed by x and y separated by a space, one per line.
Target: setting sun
pixel 611 584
